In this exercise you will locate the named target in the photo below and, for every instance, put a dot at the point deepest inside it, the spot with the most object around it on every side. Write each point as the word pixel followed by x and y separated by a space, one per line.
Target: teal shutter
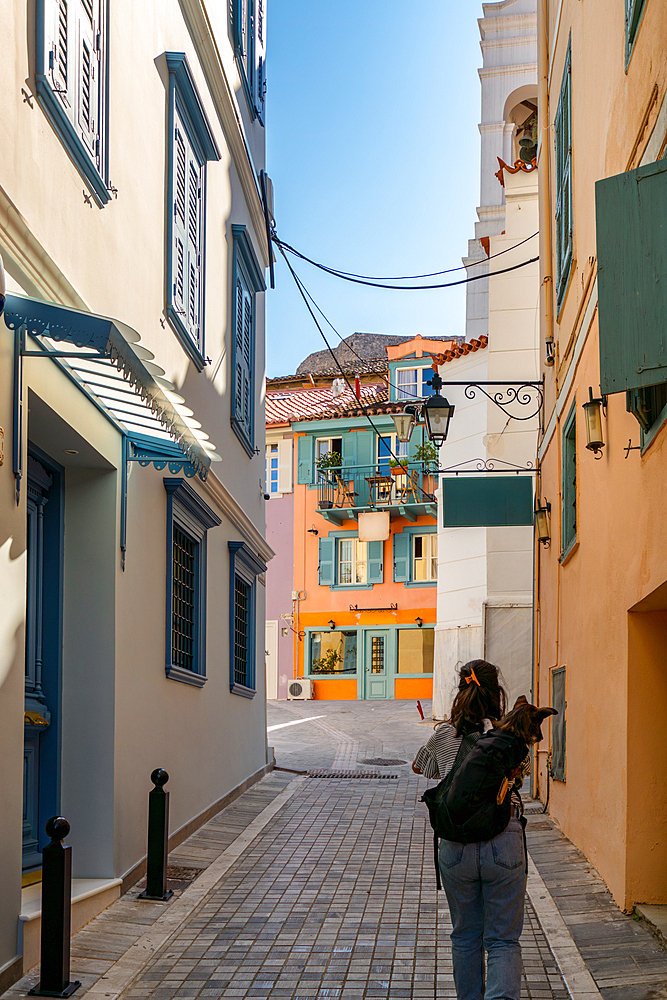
pixel 375 559
pixel 186 250
pixel 631 219
pixel 569 474
pixel 350 449
pixel 244 350
pixel 366 448
pixel 327 565
pixel 563 142
pixel 306 448
pixel 260 58
pixel 402 551
pixel 87 35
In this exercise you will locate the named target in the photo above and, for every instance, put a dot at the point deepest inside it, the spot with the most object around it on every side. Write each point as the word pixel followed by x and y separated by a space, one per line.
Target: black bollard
pixel 56 914
pixel 158 835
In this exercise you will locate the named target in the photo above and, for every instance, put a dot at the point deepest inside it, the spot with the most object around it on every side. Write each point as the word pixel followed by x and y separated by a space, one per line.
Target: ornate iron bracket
pixel 392 607
pixel 525 394
pixel 478 465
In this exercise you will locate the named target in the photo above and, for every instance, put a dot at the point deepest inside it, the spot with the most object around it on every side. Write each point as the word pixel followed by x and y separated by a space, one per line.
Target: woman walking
pixel 485 882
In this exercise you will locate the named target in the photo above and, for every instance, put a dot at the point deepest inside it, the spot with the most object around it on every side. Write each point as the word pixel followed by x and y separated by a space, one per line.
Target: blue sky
pixel 373 149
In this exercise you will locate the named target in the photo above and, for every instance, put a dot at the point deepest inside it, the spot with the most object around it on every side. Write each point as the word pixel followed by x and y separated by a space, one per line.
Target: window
pixel 247 281
pixel 190 145
pixel 416 556
pixel 411 383
pixel 249 48
pixel 425 557
pixel 278 468
pixel 328 446
pixel 352 561
pixel 188 520
pixel 648 406
pixel 388 448
pixel 271 477
pixel 71 82
pixel 558 725
pixel 245 567
pixel 333 653
pixel 415 650
pixel 563 141
pixel 569 491
pixel 345 561
pixel 633 15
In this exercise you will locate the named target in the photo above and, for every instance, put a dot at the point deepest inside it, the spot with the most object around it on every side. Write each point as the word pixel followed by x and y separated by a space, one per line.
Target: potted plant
pixel 426 453
pixel 331 460
pixel 398 468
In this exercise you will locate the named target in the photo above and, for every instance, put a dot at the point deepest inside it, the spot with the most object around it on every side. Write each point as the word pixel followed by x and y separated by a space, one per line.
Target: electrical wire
pixel 362 405
pixel 404 277
pixel 401 288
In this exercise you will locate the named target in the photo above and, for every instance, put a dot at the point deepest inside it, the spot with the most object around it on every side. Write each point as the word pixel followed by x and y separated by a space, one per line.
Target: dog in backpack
pixel 525 721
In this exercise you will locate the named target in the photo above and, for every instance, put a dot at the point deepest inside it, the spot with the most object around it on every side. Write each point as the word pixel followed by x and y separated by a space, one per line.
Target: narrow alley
pixel 323 887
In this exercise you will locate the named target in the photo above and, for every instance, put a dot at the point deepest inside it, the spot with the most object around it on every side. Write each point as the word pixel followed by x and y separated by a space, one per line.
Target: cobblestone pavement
pixel 324 888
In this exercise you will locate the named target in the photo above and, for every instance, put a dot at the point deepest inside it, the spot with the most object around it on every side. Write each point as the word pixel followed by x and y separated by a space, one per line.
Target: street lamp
pixel 404 423
pixel 331 624
pixel 593 417
pixel 437 412
pixel 542 522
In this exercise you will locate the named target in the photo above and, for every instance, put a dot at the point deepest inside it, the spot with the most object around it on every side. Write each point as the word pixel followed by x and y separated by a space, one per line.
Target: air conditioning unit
pixel 300 690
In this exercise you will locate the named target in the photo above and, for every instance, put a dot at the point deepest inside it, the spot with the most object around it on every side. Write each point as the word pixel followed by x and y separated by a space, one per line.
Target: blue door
pixel 40 785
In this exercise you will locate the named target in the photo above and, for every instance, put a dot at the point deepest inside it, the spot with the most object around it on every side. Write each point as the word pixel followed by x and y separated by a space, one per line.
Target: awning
pixel 104 357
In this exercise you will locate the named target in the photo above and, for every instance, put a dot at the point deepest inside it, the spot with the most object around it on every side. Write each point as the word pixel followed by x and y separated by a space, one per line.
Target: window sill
pixel 349 586
pixel 421 583
pixel 187 343
pixel 241 435
pixel 185 676
pixel 73 144
pixel 567 553
pixel 244 692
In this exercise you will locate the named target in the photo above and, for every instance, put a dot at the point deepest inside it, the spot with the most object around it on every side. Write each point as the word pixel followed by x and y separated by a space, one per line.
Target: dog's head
pixel 525 720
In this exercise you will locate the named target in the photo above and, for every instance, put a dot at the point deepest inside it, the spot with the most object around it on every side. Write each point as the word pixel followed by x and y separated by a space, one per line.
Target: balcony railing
pixel 405 489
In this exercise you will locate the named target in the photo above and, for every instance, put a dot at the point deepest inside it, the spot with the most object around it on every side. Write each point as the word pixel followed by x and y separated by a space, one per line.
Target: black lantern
pixel 331 624
pixel 593 417
pixel 438 411
pixel 543 522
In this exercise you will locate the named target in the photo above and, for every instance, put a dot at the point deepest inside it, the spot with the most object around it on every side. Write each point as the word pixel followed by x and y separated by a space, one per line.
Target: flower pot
pixel 325 504
pixel 398 470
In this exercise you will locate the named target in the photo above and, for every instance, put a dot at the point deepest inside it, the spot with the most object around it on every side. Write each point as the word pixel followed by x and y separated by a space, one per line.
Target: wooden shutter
pixel 243 353
pixel 402 555
pixel 285 466
pixel 365 447
pixel 87 31
pixel 327 563
pixel 631 219
pixel 375 562
pixel 260 58
pixel 306 449
pixel 563 141
pixel 57 26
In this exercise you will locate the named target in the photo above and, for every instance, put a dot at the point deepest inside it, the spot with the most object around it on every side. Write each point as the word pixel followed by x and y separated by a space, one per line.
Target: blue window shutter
pixel 305 459
pixel 350 449
pixel 365 441
pixel 186 250
pixel 87 33
pixel 402 546
pixel 375 557
pixel 327 565
pixel 243 354
pixel 260 58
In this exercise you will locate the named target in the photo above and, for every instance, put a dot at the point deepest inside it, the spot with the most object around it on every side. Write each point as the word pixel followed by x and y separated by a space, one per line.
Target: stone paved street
pixel 334 895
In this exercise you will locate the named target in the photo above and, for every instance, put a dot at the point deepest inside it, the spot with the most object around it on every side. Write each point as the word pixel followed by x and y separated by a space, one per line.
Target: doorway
pixel 271 644
pixel 377 672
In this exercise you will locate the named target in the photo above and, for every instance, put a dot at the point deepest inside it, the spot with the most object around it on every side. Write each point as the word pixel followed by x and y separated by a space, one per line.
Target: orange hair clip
pixel 472 677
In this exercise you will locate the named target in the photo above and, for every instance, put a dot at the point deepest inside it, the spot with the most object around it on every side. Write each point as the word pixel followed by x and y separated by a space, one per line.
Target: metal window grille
pixel 241 631
pixel 558 724
pixel 377 654
pixel 184 599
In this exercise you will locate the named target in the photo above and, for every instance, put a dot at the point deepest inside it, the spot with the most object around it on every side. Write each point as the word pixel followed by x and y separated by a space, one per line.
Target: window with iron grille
pixel 245 567
pixel 633 15
pixel 247 282
pixel 558 724
pixel 188 521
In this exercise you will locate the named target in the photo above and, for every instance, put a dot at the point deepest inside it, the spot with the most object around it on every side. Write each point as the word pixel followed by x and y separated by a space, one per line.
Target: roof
pixel 372 405
pixel 459 350
pixel 315 402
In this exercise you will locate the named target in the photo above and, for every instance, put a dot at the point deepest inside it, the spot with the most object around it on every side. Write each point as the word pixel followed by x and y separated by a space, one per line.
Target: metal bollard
pixel 56 914
pixel 158 835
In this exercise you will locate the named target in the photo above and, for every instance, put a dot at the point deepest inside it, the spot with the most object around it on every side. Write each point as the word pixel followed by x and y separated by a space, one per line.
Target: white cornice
pixel 228 113
pixel 40 275
pixel 235 513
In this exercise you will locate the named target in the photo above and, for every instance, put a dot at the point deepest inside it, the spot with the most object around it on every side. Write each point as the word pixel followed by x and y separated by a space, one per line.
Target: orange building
pixel 365 533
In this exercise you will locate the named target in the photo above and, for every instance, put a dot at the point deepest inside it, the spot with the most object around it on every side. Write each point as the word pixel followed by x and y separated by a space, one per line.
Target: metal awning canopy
pixel 104 358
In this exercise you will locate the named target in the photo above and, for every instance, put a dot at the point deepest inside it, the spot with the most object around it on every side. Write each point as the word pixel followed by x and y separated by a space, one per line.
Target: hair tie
pixel 471 677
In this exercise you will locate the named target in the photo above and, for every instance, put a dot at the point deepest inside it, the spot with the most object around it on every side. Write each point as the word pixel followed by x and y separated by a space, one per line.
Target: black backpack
pixel 463 807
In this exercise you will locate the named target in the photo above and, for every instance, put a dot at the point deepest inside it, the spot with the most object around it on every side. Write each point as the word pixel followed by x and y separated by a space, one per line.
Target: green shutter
pixel 366 448
pixel 306 446
pixel 569 474
pixel 375 557
pixel 350 449
pixel 327 565
pixel 402 551
pixel 631 218
pixel 487 501
pixel 563 144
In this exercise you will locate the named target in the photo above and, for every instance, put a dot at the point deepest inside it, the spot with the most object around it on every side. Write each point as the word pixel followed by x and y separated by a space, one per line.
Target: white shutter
pixel 285 466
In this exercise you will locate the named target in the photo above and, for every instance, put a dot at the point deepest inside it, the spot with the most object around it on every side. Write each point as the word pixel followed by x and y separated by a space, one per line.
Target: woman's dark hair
pixel 480 696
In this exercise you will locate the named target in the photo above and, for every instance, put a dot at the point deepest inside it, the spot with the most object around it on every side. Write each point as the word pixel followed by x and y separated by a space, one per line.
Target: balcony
pixel 345 491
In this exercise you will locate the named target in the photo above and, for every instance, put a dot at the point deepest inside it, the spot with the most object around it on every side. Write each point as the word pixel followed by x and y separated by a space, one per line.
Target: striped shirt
pixel 436 758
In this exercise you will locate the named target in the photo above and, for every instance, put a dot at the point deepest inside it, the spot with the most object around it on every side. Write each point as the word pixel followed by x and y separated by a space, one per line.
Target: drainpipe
pixel 546 297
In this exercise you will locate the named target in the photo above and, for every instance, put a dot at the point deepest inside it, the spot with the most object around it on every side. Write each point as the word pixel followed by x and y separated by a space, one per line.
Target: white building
pixel 131 402
pixel 485 573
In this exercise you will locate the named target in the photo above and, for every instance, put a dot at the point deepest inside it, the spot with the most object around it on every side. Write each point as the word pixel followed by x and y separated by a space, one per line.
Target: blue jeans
pixel 485 885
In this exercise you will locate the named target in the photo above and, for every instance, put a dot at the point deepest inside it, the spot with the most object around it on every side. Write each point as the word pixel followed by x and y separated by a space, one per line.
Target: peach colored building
pixel 601 615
